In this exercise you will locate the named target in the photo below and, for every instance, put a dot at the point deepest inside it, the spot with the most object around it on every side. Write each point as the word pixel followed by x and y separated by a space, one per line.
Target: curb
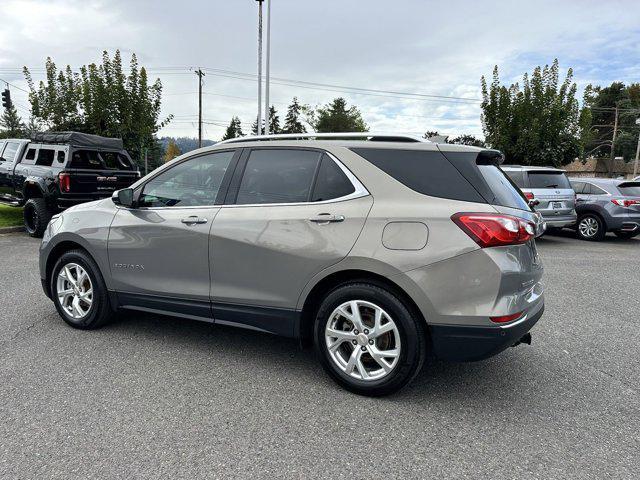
pixel 11 229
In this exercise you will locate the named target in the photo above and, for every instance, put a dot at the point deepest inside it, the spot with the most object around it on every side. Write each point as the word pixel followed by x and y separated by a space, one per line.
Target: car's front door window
pixel 195 182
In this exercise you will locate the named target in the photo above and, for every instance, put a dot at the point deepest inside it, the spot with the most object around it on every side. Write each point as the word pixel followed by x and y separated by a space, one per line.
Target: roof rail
pixel 370 136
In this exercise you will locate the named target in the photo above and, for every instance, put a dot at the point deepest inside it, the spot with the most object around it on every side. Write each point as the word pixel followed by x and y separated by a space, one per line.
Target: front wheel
pixel 591 227
pixel 368 340
pixel 79 292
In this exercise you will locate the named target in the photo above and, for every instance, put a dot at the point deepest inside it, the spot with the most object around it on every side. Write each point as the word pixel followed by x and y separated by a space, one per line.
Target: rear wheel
pixel 36 216
pixel 591 227
pixel 367 339
pixel 79 292
pixel 626 235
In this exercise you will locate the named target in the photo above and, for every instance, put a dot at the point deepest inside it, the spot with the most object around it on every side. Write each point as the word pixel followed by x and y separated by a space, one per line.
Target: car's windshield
pixel 544 179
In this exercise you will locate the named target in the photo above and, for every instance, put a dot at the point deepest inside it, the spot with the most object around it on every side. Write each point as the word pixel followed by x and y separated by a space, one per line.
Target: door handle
pixel 193 220
pixel 324 218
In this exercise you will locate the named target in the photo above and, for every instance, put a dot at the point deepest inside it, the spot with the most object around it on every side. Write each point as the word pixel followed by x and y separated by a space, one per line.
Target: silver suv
pixel 551 191
pixel 377 250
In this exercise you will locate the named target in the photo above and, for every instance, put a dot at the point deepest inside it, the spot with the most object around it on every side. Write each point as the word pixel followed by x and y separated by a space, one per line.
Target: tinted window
pixel 278 176
pixel 331 182
pixel 61 156
pixel 10 151
pixel 116 161
pixel 631 189
pixel 548 180
pixel 86 159
pixel 195 182
pixel 426 172
pixel 506 193
pixel 517 176
pixel 45 157
pixel 594 190
pixel 30 156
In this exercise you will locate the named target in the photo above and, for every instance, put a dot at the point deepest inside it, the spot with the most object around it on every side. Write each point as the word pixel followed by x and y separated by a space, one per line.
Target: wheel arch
pixel 334 280
pixel 595 213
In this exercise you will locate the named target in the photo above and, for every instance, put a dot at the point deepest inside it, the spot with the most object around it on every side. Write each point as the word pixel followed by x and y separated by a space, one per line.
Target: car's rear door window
pixel 45 157
pixel 278 176
pixel 578 187
pixel 543 179
pixel 331 182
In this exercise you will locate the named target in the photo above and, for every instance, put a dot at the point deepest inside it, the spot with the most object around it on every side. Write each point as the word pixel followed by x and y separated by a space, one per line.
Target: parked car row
pixel 53 171
pixel 590 206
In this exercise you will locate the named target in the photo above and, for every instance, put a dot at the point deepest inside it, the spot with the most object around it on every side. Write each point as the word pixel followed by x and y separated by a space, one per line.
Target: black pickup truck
pixel 53 171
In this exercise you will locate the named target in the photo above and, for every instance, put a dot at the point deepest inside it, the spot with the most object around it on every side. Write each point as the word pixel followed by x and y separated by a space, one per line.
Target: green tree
pixel 538 124
pixel 600 104
pixel 172 151
pixel 274 123
pixel 11 124
pixel 103 100
pixel 292 123
pixel 336 117
pixel 466 139
pixel 234 129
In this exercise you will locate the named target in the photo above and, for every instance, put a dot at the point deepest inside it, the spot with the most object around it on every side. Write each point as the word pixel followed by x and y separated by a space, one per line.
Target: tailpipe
pixel 526 338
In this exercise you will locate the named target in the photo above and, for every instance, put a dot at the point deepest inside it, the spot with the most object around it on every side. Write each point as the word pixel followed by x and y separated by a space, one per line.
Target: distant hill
pixel 185 144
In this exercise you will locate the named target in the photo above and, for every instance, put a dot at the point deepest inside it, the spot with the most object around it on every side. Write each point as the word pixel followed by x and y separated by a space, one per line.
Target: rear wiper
pixel 551 186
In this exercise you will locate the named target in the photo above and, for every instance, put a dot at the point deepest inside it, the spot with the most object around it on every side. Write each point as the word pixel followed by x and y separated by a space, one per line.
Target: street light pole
pixel 635 164
pixel 259 66
pixel 266 86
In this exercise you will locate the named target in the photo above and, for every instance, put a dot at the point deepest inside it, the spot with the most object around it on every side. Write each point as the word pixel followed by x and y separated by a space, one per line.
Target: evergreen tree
pixel 466 139
pixel 11 124
pixel 292 123
pixel 274 123
pixel 234 129
pixel 336 117
pixel 172 151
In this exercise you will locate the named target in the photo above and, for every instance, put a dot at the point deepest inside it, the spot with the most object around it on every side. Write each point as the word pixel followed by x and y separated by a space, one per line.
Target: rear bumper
pixel 460 343
pixel 559 220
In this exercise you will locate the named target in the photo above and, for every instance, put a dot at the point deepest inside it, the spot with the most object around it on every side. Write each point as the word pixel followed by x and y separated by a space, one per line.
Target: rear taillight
pixel 625 203
pixel 506 318
pixel 494 230
pixel 64 180
pixel 529 195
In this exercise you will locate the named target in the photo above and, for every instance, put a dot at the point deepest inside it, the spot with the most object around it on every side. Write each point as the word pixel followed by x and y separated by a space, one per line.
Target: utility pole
pixel 613 142
pixel 635 164
pixel 260 66
pixel 200 74
pixel 267 110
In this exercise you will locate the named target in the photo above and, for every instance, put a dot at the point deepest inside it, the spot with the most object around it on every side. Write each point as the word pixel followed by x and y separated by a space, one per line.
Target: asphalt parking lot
pixel 150 396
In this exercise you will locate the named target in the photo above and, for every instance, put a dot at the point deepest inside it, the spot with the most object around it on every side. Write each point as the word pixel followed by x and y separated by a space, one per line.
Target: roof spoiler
pixel 490 157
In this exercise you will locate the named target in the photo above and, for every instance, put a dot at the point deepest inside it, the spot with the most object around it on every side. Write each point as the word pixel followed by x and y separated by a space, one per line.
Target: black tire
pixel 100 310
pixel 626 235
pixel 410 326
pixel 36 216
pixel 600 228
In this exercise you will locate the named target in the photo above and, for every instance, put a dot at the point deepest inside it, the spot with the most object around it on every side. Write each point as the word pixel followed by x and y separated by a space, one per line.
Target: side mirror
pixel 123 198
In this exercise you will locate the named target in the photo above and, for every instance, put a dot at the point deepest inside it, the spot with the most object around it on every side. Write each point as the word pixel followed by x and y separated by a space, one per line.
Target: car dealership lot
pixel 152 396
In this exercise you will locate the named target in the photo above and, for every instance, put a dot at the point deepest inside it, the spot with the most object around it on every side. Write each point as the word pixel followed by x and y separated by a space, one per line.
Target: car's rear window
pixel 517 176
pixel 543 179
pixel 95 160
pixel 506 192
pixel 631 189
pixel 426 172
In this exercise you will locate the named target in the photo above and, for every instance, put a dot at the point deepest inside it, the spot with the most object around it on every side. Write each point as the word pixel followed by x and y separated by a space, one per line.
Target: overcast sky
pixel 414 46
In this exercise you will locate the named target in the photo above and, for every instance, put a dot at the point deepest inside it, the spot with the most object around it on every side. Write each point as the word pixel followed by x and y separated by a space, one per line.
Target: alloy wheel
pixel 74 290
pixel 362 340
pixel 588 227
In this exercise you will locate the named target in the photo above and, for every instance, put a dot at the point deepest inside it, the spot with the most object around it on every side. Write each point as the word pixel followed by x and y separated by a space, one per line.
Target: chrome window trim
pixel 360 190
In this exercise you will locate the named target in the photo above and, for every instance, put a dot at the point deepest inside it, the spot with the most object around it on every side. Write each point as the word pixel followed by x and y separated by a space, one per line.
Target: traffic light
pixel 6 98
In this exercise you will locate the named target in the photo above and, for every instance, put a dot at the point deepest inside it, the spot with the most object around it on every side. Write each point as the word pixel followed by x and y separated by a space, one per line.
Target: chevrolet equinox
pixel 382 251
